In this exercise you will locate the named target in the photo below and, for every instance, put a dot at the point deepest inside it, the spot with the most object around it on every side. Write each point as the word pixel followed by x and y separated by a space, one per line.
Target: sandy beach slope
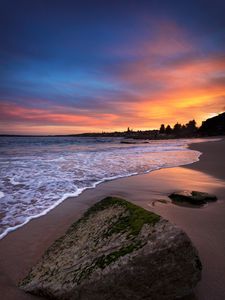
pixel 21 249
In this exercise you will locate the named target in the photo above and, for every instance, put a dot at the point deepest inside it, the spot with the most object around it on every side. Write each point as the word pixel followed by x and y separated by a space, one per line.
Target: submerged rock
pixel 134 141
pixel 120 251
pixel 193 197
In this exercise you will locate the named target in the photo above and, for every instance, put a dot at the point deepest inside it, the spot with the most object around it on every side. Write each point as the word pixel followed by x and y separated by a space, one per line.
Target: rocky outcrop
pixel 192 197
pixel 213 126
pixel 120 251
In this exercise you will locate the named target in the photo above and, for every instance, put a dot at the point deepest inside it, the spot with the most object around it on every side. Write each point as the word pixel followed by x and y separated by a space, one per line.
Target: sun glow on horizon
pixel 146 69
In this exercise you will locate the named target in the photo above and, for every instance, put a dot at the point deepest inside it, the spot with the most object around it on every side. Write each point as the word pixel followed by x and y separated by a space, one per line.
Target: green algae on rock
pixel 117 250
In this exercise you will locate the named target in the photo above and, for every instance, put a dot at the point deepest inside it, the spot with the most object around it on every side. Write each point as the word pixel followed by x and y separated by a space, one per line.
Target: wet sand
pixel 21 249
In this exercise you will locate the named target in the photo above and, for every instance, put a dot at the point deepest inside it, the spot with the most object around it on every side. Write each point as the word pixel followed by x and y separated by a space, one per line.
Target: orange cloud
pixel 30 119
pixel 173 80
pixel 163 79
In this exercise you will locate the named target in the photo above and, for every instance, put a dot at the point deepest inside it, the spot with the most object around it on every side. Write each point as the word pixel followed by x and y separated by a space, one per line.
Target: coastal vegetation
pixel 211 127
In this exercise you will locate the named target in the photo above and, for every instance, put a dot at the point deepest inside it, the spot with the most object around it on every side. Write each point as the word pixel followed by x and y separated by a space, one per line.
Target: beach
pixel 22 248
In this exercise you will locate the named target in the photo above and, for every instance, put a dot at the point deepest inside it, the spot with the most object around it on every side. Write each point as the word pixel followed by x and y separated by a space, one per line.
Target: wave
pixel 33 187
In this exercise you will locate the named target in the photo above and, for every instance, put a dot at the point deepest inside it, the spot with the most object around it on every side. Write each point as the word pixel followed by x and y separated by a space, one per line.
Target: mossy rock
pixel 117 250
pixel 193 197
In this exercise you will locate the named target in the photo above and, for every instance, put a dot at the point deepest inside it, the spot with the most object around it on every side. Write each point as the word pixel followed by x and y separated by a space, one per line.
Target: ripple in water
pixel 38 173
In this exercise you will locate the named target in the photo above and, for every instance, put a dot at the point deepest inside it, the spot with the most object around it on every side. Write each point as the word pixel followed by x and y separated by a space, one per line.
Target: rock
pixel 193 197
pixel 134 141
pixel 120 251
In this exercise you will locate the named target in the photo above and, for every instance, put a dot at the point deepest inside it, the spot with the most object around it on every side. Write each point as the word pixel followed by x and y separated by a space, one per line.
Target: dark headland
pixel 214 126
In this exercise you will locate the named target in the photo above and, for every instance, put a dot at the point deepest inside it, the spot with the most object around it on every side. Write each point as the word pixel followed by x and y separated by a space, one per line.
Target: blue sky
pixel 74 66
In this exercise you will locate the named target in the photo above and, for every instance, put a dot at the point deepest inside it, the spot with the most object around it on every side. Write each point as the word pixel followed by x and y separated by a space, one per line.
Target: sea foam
pixel 37 174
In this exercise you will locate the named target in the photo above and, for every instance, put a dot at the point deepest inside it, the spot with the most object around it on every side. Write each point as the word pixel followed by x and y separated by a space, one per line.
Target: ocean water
pixel 38 173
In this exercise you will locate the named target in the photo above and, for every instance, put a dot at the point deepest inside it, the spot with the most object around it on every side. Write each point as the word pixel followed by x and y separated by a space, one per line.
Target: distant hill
pixel 213 126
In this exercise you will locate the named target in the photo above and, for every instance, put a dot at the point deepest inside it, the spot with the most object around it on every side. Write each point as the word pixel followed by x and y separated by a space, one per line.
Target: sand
pixel 21 249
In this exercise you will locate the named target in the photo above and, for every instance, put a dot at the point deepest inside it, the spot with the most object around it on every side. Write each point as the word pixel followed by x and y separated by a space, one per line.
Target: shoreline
pixel 207 162
pixel 81 190
pixel 21 249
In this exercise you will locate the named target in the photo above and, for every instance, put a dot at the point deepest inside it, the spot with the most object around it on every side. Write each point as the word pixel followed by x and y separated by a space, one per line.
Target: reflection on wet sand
pixel 21 249
pixel 181 179
pixel 205 225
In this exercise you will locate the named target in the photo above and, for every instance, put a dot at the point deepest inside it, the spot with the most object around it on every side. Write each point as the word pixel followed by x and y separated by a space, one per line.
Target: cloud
pixel 163 76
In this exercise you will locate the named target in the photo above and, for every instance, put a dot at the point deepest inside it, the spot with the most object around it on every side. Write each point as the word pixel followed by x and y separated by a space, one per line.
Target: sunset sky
pixel 85 66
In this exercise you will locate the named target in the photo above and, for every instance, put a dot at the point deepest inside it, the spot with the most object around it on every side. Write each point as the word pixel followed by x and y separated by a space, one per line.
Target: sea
pixel 38 173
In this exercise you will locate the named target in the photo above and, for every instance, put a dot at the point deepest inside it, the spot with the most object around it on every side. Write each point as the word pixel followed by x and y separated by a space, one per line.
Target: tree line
pixel 210 127
pixel 180 130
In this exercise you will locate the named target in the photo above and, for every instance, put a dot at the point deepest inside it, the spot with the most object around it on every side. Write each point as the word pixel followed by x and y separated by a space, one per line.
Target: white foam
pixel 12 181
pixel 46 178
pixel 1 194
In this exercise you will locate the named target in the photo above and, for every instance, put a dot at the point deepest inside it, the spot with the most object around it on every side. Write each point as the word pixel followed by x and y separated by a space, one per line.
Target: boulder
pixel 120 251
pixel 193 197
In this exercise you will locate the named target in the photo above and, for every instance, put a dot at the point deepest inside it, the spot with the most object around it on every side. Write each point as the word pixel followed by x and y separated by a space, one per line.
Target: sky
pixel 91 66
